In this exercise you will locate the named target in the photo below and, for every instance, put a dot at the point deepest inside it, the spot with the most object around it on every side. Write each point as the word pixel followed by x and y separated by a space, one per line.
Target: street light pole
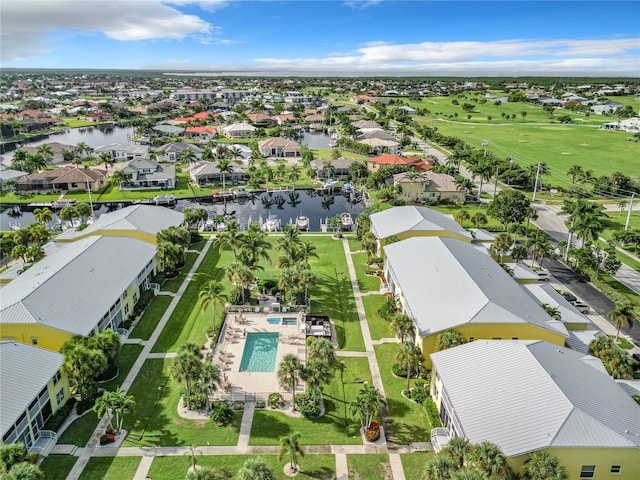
pixel 535 186
pixel 626 225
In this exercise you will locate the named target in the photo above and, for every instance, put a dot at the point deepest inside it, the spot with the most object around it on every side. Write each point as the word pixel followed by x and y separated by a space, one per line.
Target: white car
pixel 581 307
pixel 543 275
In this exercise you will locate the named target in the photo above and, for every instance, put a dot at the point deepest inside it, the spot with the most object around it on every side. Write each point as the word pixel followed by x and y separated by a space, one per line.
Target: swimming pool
pixel 259 352
pixel 273 320
pixel 289 321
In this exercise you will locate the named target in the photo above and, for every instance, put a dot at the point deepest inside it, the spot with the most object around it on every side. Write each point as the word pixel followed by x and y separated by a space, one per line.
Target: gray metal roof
pixel 529 395
pixel 447 283
pixel 545 293
pixel 72 289
pixel 146 218
pixel 24 371
pixel 401 219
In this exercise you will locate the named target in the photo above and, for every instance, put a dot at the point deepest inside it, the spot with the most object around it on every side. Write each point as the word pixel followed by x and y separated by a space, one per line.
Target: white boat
pixel 272 224
pixel 302 222
pixel 346 220
pixel 241 192
pixel 164 199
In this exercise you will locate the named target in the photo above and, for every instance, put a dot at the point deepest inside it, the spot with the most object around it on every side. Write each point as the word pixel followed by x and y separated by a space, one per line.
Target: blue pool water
pixel 289 321
pixel 259 352
pixel 273 320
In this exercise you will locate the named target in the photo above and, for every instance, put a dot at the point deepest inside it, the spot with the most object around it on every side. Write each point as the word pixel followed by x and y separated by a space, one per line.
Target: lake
pixel 287 205
pixel 316 140
pixel 93 136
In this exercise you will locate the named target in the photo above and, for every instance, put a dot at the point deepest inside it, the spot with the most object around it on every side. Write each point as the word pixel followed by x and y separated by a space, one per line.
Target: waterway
pixel 287 205
pixel 316 140
pixel 93 136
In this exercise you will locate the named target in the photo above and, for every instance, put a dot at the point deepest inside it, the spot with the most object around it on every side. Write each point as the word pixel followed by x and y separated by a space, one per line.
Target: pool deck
pixel 228 352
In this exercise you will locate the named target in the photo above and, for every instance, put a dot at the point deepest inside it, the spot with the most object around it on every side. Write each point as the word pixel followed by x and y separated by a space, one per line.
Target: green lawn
pixel 410 422
pixel 126 358
pixel 616 221
pixel 57 467
pixel 366 283
pixel 373 466
pixel 79 432
pixel 320 467
pixel 155 421
pixel 413 464
pixel 110 468
pixel 493 224
pixel 378 326
pixel 173 284
pixel 269 425
pixel 147 324
pixel 188 323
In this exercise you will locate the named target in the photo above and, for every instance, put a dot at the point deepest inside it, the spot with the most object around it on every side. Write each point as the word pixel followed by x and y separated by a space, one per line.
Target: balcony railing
pixel 439 438
pixel 45 442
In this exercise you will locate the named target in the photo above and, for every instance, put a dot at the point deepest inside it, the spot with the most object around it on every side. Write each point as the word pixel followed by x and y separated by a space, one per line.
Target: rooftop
pixel 401 219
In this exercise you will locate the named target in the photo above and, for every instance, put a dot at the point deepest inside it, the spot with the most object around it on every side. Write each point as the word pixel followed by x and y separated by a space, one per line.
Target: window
pixel 615 469
pixel 471 339
pixel 496 338
pixel 56 377
pixel 588 471
pixel 514 338
pixel 34 340
pixel 60 396
pixel 126 309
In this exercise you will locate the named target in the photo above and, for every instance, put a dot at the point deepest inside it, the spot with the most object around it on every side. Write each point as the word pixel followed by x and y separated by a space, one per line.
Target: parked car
pixel 569 297
pixel 543 275
pixel 581 306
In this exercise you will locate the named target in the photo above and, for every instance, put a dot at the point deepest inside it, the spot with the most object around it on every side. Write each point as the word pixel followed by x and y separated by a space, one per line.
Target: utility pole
pixel 485 144
pixel 626 225
pixel 535 186
pixel 495 187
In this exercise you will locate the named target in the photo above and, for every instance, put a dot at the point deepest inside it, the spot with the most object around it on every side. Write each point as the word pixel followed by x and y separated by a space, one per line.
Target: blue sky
pixel 334 37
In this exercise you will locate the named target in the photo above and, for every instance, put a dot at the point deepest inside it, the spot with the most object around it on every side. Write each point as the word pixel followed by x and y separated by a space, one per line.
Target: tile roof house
pixel 279 147
pixel 58 150
pixel 526 396
pixel 208 173
pixel 238 130
pixel 427 187
pixel 66 178
pixel 341 166
pixel 144 173
pixel 172 152
pixel 388 159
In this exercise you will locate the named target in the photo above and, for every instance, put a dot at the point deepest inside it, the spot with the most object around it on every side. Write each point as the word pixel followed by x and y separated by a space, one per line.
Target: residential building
pixel 144 173
pixel 121 152
pixel 172 152
pixel 57 149
pixel 208 173
pixel 66 178
pixel 88 286
pixel 340 166
pixel 194 94
pixel 444 283
pixel 389 159
pixel 9 175
pixel 238 130
pixel 33 386
pixel 279 147
pixel 527 396
pixel 427 187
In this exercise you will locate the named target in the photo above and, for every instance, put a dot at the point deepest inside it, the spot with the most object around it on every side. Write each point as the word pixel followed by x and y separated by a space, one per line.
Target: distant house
pixel 261 119
pixel 121 152
pixel 286 118
pixel 99 117
pixel 9 175
pixel 238 130
pixel 388 159
pixel 172 152
pixel 201 132
pixel 168 130
pixel 408 109
pixel 315 121
pixel 57 149
pixel 428 186
pixel 340 165
pixel 208 173
pixel 144 173
pixel 66 178
pixel 279 147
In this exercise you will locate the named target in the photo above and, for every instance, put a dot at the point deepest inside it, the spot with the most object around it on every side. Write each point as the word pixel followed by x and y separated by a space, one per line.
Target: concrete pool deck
pixel 228 353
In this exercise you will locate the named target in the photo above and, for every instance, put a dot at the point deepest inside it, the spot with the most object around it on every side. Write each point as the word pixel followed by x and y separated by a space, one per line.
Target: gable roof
pixel 390 159
pixel 411 218
pixel 435 273
pixel 18 389
pixel 529 395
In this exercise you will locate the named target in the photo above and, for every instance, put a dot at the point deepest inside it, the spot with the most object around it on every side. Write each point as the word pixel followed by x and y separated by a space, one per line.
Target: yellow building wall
pixel 144 236
pixel 603 458
pixel 421 233
pixel 490 331
pixel 64 383
pixel 48 337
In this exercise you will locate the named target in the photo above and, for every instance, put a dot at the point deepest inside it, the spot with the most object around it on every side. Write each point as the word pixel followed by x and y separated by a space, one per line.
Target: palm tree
pixel 188 156
pixel 186 367
pixel 591 224
pixel 294 174
pixel 105 159
pixel 322 348
pixel 115 405
pixel 369 244
pixel 46 153
pixel 224 165
pixel 232 238
pixel 83 365
pixel 409 356
pixel 552 311
pixel 253 247
pixel 255 468
pixel 489 459
pixel 328 168
pixel 241 276
pixel 543 466
pixel 43 215
pixel 402 327
pixel 575 171
pixel 305 278
pixel 305 251
pixel 450 339
pixel 439 467
pixel 289 371
pixel 461 216
pixel 290 445
pixel 621 317
pixel 367 404
pixel 317 372
pixel 622 204
pixel 209 380
pixel 120 178
pixel 458 450
pixel 212 293
pixel 539 245
pixel 289 241
pixel 469 473
pixel 501 245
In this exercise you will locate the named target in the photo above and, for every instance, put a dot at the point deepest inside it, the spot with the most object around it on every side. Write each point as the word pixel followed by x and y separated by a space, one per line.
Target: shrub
pixel 310 411
pixel 221 413
pixel 267 285
pixel 235 298
pixel 107 438
pixel 260 404
pixel 198 401
pixel 372 432
pixel 238 405
pixel 127 324
pixel 388 309
pixel 418 394
pixel 58 418
pixel 275 400
pixel 432 412
pixel 195 237
pixel 143 302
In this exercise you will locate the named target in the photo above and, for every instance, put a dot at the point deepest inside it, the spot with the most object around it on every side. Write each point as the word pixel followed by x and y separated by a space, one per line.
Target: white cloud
pixel 564 56
pixel 360 4
pixel 25 24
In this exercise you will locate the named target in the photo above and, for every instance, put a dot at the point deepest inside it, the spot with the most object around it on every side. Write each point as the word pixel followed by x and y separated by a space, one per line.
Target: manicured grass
pixel 366 283
pixel 155 421
pixel 268 425
pixel 147 324
pixel 188 323
pixel 410 422
pixel 173 284
pixel 312 466
pixel 57 467
pixel 615 221
pixel 413 464
pixel 198 245
pixel 127 356
pixel 378 326
pixel 623 343
pixel 79 432
pixel 182 189
pixel 369 467
pixel 110 468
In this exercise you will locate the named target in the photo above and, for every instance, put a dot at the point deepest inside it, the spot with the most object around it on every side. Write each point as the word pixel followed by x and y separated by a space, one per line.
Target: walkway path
pixel 242 447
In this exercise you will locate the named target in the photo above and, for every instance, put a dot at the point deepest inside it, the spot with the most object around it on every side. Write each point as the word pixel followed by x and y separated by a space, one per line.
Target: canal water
pixel 286 205
pixel 93 136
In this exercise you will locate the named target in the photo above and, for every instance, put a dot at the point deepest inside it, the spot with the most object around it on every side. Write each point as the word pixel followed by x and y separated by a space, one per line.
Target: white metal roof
pixel 447 283
pixel 401 219
pixel 24 371
pixel 545 293
pixel 146 218
pixel 529 395
pixel 72 289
